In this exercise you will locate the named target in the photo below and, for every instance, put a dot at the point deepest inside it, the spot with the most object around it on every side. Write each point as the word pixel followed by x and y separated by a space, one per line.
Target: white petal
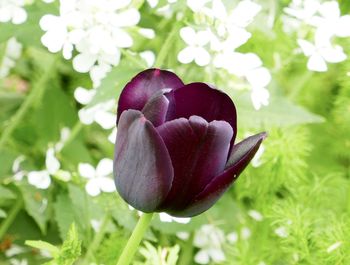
pixel 219 9
pixel 196 5
pixel 148 33
pixel 120 4
pixel 256 161
pixel 202 57
pixel 92 187
pixel 260 97
pixel 330 9
pixel 107 184
pixel 232 237
pixel 166 218
pixel 113 135
pixel 237 37
pixel 52 163
pixel 307 47
pixel 217 255
pixel 83 62
pixel 49 21
pixel 104 167
pixel 184 220
pixel 317 63
pixel 67 51
pixel 202 257
pixel 203 37
pixel 127 18
pixel 105 119
pixel 257 216
pixel 86 170
pixel 149 57
pixel 83 95
pixel 188 34
pixel 39 179
pixel 259 77
pixel 19 16
pixel 122 39
pixel 343 27
pixel 186 55
pixel 244 13
pixel 153 3
pixel 333 54
pixel 86 116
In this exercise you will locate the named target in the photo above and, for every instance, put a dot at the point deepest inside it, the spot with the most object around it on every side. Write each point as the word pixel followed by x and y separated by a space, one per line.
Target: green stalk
pixel 166 46
pixel 24 108
pixel 5 225
pixel 97 239
pixel 135 239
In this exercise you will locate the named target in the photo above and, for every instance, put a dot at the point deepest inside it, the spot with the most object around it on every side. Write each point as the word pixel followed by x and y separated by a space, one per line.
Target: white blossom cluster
pixel 97 30
pixel 216 44
pixel 13 11
pixel 12 52
pixel 41 179
pixel 326 22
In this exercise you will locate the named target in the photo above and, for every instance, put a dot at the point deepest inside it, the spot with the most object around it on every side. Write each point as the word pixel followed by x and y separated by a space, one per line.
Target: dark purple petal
pixel 156 109
pixel 142 87
pixel 198 152
pixel 142 165
pixel 241 155
pixel 209 103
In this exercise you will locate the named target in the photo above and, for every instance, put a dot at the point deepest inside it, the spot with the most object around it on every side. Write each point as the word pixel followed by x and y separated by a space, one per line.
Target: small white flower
pixel 255 215
pixel 166 218
pixel 183 235
pixel 256 161
pixel 99 113
pixel 83 95
pixel 334 246
pixel 39 179
pixel 245 233
pixel 148 33
pixel 14 250
pixel 303 10
pixel 12 53
pixel 98 179
pixel 232 237
pixel 149 57
pixel 195 50
pixel 209 239
pixel 260 97
pixel 197 5
pixel 281 231
pixel 320 53
pixel 18 262
pixel 13 11
pixel 113 135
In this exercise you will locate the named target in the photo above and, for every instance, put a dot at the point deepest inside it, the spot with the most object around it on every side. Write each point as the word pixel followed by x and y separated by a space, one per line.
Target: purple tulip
pixel 175 148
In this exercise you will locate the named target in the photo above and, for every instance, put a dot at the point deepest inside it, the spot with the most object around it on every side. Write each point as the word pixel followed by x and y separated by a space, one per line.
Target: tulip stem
pixel 135 239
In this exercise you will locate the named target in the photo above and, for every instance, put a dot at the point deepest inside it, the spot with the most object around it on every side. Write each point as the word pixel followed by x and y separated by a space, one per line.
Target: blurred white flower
pixel 14 250
pixel 83 95
pixel 281 231
pixel 245 233
pixel 18 262
pixel 320 53
pixel 12 52
pixel 99 113
pixel 257 216
pixel 256 161
pixel 148 33
pixel 232 237
pixel 96 29
pixel 166 218
pixel 334 246
pixel 331 21
pixel 98 179
pixel 303 10
pixel 113 135
pixel 13 11
pixel 195 50
pixel 183 235
pixel 260 97
pixel 197 5
pixel 209 239
pixel 149 57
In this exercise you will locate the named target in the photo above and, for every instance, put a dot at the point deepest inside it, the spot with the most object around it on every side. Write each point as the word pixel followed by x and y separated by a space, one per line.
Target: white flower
pixel 303 10
pixel 245 233
pixel 148 33
pixel 197 5
pixel 99 113
pixel 113 135
pixel 321 52
pixel 334 246
pixel 256 161
pixel 14 250
pixel 255 215
pixel 183 235
pixel 281 231
pixel 12 10
pixel 209 239
pixel 331 21
pixel 195 50
pixel 232 237
pixel 83 95
pixel 18 262
pixel 98 179
pixel 149 57
pixel 166 218
pixel 12 53
pixel 260 97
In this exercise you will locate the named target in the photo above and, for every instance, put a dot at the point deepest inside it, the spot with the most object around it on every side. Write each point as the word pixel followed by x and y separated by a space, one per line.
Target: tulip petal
pixel 156 109
pixel 241 155
pixel 142 166
pixel 198 152
pixel 142 87
pixel 209 103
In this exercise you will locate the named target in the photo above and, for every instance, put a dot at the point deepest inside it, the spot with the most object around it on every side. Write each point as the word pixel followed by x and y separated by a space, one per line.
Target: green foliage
pixel 159 256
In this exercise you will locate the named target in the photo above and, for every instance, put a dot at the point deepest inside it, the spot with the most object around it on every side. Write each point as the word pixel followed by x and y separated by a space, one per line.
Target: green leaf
pixel 64 213
pixel 280 112
pixel 6 193
pixel 3 214
pixel 36 204
pixel 115 81
pixel 39 244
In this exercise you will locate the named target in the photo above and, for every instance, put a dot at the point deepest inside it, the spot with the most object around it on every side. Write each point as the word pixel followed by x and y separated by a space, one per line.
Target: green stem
pixel 11 217
pixel 166 47
pixel 97 239
pixel 75 130
pixel 187 252
pixel 35 93
pixel 135 239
